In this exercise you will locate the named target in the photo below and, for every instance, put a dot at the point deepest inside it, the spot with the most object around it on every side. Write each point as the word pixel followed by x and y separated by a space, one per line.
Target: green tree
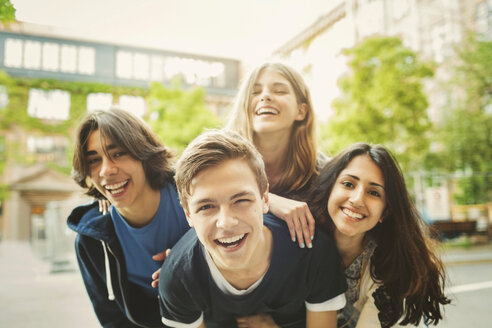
pixel 178 116
pixel 464 137
pixel 7 11
pixel 382 101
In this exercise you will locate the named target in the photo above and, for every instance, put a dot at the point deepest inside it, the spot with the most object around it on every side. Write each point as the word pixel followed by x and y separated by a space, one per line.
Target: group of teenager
pixel 252 226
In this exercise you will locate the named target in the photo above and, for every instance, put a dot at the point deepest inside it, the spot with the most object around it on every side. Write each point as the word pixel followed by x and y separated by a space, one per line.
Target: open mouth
pixel 231 241
pixel 116 188
pixel 352 215
pixel 266 111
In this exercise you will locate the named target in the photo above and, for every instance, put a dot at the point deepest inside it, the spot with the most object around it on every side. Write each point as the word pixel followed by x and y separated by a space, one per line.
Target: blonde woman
pixel 273 109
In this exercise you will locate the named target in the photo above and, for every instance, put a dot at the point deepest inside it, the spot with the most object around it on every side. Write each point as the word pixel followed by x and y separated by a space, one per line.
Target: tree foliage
pixel 382 101
pixel 178 116
pixel 7 11
pixel 465 136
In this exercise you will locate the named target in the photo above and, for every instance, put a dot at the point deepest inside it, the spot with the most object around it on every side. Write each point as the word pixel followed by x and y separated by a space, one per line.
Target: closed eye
pixel 242 200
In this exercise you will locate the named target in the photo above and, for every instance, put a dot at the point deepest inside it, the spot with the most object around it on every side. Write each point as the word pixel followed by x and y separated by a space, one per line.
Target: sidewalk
pixel 479 253
pixel 31 296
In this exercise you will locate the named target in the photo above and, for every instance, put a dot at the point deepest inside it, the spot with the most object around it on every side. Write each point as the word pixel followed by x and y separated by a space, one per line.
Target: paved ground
pixel 31 295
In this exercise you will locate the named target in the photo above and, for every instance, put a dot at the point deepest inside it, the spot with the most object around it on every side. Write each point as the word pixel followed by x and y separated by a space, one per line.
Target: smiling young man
pixel 238 260
pixel 118 157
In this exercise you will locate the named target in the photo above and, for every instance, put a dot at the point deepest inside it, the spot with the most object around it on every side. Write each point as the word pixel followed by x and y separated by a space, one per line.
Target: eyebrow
pixel 210 200
pixel 370 183
pixel 93 152
pixel 275 84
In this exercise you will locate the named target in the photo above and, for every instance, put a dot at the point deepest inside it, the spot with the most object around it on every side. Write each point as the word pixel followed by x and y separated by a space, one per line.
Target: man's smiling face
pixel 226 209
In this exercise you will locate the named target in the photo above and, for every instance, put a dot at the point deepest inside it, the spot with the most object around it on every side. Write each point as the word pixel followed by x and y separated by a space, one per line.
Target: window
pixel 87 60
pixel 54 104
pixel 68 63
pixel 157 69
pixel 96 101
pixel 51 54
pixel 48 148
pixel 32 55
pixel 140 66
pixel 132 104
pixel 13 53
pixel 483 18
pixel 124 64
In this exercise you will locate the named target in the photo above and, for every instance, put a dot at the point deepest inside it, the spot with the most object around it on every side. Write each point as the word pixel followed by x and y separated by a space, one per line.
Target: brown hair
pixel 300 164
pixel 210 149
pixel 131 134
pixel 404 260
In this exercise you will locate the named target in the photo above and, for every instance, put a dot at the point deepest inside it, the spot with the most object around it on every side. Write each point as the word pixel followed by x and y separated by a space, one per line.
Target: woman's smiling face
pixel 358 198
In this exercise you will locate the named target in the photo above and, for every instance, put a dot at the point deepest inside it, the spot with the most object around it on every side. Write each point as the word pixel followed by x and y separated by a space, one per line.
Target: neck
pixel 259 262
pixel 349 247
pixel 141 213
pixel 273 147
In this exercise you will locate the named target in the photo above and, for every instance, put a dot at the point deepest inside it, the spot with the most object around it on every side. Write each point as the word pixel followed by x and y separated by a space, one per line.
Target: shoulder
pixel 184 254
pixel 186 260
pixel 88 220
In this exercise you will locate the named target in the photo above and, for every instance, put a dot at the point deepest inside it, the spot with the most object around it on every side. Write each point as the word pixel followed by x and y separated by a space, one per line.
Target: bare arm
pixel 297 216
pixel 325 319
pixel 256 321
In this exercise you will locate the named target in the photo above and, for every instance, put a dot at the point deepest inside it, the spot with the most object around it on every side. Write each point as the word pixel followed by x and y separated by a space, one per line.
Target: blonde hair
pixel 300 164
pixel 211 149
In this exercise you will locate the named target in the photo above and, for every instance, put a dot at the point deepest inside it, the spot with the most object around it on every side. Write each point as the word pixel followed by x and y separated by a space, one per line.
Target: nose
pixel 226 219
pixel 265 95
pixel 108 168
pixel 357 197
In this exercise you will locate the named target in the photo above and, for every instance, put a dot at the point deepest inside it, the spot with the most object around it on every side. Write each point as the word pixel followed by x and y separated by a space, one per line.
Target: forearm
pixel 325 319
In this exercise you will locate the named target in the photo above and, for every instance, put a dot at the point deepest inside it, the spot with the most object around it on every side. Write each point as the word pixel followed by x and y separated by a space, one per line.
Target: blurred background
pixel 414 75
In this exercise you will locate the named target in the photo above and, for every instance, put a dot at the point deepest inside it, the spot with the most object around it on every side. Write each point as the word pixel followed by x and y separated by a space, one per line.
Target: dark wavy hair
pixel 132 135
pixel 404 260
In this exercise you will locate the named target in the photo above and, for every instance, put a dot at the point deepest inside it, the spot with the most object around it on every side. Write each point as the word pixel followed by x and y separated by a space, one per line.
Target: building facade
pixel 430 27
pixel 32 150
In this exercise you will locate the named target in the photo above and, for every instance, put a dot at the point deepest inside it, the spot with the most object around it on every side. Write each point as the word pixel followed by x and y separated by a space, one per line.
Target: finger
pixel 161 256
pixel 305 231
pixel 155 283
pixel 311 223
pixel 155 275
pixel 300 237
pixel 292 229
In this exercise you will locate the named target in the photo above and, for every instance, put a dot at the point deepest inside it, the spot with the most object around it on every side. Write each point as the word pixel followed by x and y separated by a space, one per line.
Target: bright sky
pixel 249 30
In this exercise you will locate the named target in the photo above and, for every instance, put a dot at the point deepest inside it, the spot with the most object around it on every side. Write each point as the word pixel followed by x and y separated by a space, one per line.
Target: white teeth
pixel 231 240
pixel 116 185
pixel 352 214
pixel 266 110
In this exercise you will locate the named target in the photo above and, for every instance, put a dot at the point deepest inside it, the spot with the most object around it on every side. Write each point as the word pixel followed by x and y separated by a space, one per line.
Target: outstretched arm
pixel 297 216
pixel 262 320
pixel 325 319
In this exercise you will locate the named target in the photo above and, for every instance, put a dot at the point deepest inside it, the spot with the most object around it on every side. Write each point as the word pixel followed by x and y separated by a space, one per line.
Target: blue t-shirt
pixel 139 244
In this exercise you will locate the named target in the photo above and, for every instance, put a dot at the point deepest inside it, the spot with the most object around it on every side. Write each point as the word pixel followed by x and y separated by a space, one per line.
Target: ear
pixel 188 217
pixel 265 201
pixel 302 109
